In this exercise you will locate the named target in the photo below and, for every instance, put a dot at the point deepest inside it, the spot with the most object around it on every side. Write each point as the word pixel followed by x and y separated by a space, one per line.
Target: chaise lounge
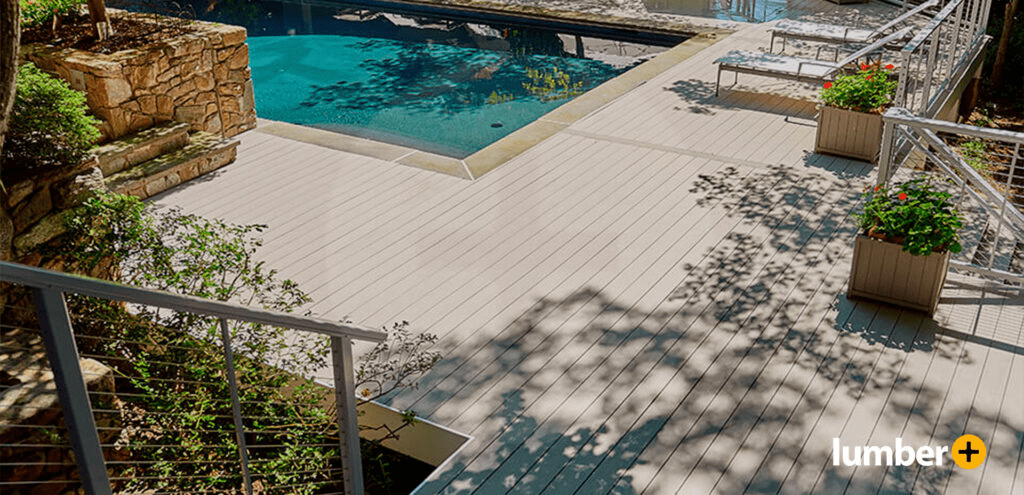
pixel 796 68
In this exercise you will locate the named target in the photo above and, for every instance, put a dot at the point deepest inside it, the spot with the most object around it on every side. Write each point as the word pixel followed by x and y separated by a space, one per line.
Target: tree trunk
pixel 10 38
pixel 100 22
pixel 1004 44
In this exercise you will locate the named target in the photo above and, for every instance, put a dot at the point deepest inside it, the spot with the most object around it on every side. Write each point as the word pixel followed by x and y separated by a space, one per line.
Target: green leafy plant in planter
pixel 869 90
pixel 903 255
pixel 854 102
pixel 915 215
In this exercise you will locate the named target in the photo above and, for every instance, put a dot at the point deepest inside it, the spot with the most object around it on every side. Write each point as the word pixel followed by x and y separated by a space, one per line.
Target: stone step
pixel 141 147
pixel 204 153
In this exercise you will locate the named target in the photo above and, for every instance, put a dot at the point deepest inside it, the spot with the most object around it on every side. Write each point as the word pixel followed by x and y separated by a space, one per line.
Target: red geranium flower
pixel 903 196
pixel 890 67
pixel 863 66
pixel 878 187
pixel 828 85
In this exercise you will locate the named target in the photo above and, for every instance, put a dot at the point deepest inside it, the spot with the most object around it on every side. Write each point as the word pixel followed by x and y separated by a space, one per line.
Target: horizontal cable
pixel 185 477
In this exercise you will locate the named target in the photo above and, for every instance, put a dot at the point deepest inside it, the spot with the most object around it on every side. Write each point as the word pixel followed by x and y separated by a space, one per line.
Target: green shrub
pixel 49 127
pixel 41 12
pixel 170 369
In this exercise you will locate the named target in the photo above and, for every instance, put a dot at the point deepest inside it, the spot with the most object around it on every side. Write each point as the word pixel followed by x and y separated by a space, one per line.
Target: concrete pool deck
pixel 651 300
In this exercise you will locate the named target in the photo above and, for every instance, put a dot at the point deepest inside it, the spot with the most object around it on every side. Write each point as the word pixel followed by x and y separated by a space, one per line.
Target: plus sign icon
pixel 968 451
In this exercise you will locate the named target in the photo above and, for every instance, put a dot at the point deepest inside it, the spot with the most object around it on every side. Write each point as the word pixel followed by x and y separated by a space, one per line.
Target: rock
pixel 148 104
pixel 18 192
pixel 42 232
pixel 240 58
pixel 193 115
pixel 111 92
pixel 73 191
pixel 6 239
pixel 32 210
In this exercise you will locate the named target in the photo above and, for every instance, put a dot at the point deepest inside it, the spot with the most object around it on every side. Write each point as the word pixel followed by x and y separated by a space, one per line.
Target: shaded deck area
pixel 650 301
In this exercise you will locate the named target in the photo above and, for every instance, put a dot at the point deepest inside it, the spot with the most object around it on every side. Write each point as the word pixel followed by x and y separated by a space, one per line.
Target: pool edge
pixel 505 149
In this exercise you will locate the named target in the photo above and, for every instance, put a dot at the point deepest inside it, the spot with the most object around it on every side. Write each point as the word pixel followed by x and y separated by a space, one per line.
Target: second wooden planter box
pixel 884 272
pixel 848 133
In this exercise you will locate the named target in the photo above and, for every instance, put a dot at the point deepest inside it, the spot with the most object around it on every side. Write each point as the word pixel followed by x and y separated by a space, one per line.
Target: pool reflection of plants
pixel 423 78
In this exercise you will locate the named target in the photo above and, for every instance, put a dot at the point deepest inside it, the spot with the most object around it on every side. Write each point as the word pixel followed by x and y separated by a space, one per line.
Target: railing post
pixel 236 404
pixel 348 419
pixel 62 352
pixel 885 155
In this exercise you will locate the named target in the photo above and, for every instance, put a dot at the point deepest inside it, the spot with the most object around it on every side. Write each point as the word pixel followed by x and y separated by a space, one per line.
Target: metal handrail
pixel 48 288
pixel 31 276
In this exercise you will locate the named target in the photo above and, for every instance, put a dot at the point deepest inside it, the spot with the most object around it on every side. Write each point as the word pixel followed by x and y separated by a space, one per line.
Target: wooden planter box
pixel 848 133
pixel 884 272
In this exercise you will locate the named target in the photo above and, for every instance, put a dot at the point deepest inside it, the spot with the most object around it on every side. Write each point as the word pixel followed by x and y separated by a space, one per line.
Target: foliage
pixel 554 86
pixel 393 364
pixel 48 124
pixel 496 98
pixel 42 12
pixel 915 215
pixel 170 367
pixel 868 90
pixel 974 154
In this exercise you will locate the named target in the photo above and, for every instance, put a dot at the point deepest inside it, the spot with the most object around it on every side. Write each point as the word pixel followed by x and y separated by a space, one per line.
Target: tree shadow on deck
pixel 698 96
pixel 736 382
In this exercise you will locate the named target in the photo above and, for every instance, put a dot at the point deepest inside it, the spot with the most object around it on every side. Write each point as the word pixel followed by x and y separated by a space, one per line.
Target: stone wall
pixel 201 78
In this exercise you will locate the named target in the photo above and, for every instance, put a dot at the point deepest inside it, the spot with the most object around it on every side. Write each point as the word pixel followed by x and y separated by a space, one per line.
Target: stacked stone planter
pixel 201 78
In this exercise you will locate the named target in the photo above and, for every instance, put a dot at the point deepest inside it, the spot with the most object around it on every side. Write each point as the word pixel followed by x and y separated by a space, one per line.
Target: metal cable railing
pixel 149 408
pixel 938 60
pixel 986 167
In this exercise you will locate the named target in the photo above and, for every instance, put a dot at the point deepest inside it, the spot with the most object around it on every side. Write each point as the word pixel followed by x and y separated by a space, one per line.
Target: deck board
pixel 650 301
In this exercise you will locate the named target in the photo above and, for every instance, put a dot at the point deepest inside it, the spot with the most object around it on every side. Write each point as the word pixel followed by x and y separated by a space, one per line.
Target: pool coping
pixel 505 149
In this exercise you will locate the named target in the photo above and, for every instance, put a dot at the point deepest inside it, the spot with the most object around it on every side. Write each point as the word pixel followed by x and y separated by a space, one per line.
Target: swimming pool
pixel 443 87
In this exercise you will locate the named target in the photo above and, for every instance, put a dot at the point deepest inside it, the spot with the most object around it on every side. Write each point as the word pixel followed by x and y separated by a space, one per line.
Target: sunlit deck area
pixel 652 300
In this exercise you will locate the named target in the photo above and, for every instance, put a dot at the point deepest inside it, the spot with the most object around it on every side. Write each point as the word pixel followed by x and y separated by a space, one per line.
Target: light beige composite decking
pixel 650 301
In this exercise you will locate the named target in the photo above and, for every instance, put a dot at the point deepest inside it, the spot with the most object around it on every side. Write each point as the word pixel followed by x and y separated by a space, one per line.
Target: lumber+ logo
pixel 968 452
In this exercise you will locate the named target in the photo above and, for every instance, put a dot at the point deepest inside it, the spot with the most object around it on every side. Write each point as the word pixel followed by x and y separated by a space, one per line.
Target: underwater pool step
pixel 204 153
pixel 141 147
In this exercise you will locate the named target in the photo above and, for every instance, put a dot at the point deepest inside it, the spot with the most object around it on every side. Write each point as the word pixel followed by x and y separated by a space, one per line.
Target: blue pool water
pixel 446 99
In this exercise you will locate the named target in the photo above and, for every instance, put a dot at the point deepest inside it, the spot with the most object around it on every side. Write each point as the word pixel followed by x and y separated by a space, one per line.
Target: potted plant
pixel 902 254
pixel 850 118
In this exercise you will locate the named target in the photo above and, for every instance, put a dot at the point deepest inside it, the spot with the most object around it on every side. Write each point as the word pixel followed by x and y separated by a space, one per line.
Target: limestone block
pixel 204 82
pixel 18 192
pixel 6 239
pixel 142 76
pixel 113 91
pixel 140 122
pixel 232 35
pixel 31 210
pixel 71 192
pixel 193 115
pixel 164 105
pixel 164 75
pixel 206 59
pixel 158 185
pixel 230 104
pixel 213 122
pixel 182 89
pixel 240 58
pixel 224 53
pixel 247 103
pixel 42 232
pixel 206 97
pixel 147 104
pixel 220 72
pixel 240 75
pixel 132 106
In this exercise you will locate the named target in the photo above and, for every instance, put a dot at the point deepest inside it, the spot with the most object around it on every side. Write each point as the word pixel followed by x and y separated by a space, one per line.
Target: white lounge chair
pixel 796 68
pixel 830 33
